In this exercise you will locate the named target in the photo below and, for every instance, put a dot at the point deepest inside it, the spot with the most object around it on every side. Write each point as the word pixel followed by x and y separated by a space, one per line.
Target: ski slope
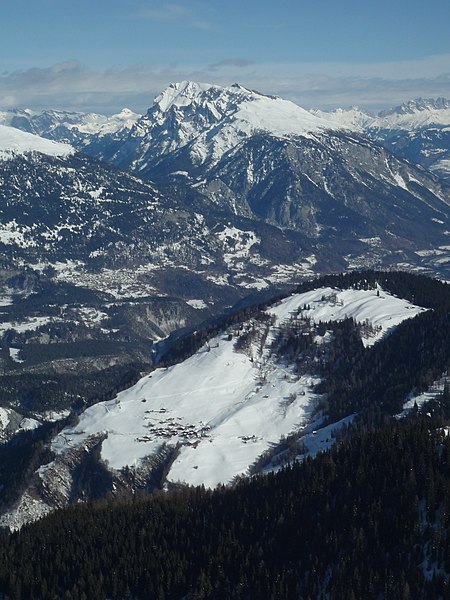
pixel 222 407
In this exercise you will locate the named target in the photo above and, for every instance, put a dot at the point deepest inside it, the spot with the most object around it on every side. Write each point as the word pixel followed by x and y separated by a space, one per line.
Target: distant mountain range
pixel 418 130
pixel 261 188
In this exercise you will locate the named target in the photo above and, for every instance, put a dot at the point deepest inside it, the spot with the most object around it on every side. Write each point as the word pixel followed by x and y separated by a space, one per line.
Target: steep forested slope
pixel 367 520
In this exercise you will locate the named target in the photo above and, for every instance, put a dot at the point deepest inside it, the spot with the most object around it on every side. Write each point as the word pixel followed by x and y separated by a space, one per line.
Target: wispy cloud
pixel 230 62
pixel 73 86
pixel 173 12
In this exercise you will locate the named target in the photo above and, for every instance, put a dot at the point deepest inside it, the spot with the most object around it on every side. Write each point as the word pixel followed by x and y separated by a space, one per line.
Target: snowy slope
pixel 264 158
pixel 14 142
pixel 353 118
pixel 224 408
pixel 249 110
pixel 382 310
pixel 280 118
pixel 213 404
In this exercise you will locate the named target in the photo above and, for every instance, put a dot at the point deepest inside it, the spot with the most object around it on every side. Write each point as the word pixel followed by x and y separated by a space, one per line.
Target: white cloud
pixel 73 86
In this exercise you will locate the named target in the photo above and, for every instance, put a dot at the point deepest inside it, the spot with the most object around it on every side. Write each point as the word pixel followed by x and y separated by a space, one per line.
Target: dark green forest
pixel 367 520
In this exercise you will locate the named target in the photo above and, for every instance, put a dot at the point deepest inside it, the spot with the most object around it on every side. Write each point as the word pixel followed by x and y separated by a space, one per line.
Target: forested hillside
pixel 367 520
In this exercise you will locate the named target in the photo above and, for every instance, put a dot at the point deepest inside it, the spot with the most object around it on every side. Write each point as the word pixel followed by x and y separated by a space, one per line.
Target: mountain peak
pixel 126 112
pixel 211 120
pixel 181 94
pixel 263 111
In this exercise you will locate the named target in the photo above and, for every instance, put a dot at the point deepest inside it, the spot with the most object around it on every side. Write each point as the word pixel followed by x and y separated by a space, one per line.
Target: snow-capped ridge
pixel 68 125
pixel 352 118
pixel 418 105
pixel 14 142
pixel 417 130
pixel 232 100
pixel 411 115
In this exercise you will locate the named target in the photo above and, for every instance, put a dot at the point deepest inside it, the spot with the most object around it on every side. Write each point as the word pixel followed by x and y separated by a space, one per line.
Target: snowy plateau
pixel 216 413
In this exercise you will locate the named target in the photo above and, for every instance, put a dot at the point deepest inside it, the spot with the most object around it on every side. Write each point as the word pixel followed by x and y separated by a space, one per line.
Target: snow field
pixel 211 403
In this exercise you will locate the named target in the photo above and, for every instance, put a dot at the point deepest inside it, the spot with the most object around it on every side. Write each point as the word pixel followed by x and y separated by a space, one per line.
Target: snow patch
pixel 29 510
pixel 30 324
pixel 198 304
pixel 236 246
pixel 324 438
pixel 14 354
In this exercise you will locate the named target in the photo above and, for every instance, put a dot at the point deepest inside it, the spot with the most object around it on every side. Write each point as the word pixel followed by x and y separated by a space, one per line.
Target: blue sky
pixel 101 54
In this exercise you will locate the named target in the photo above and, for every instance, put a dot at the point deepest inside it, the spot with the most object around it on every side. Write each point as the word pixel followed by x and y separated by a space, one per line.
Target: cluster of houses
pixel 172 427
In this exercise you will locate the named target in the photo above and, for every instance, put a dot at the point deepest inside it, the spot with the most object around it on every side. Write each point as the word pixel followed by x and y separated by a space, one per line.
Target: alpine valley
pixel 212 290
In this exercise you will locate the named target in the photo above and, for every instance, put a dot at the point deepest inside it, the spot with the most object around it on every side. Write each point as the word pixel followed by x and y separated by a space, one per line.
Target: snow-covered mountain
pixel 418 113
pixel 266 159
pixel 418 130
pixel 209 418
pixel 336 198
pixel 110 231
pixel 410 116
pixel 209 121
